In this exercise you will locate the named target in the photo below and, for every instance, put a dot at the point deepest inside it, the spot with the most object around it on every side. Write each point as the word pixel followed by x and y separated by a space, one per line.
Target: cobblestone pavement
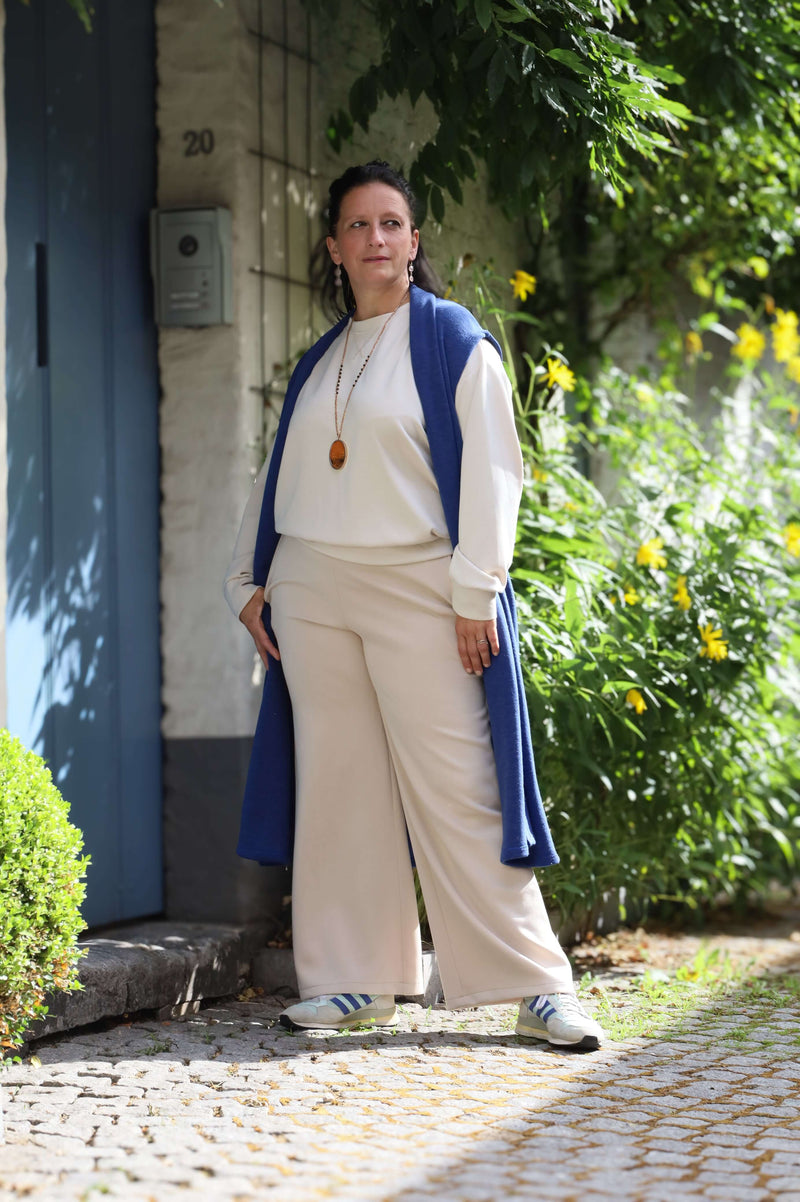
pixel 227 1105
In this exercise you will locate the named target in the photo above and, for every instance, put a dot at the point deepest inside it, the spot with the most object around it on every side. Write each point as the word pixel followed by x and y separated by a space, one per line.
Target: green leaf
pixel 464 162
pixel 431 162
pixel 437 204
pixel 421 74
pixel 483 12
pixel 573 610
pixel 496 76
pixel 616 686
pixel 481 54
pixel 570 59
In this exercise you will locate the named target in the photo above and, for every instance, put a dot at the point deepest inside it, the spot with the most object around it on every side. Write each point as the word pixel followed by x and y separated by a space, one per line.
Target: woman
pixel 371 570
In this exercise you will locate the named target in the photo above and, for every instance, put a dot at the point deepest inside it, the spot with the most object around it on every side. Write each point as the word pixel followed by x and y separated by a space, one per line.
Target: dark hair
pixel 336 302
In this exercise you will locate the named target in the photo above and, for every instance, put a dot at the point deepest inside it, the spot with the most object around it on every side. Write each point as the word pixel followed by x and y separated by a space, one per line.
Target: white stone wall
pixel 212 71
pixel 396 133
pixel 3 461
pixel 208 419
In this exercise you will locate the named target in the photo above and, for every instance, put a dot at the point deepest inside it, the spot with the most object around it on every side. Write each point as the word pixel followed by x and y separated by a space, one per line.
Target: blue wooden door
pixel 82 552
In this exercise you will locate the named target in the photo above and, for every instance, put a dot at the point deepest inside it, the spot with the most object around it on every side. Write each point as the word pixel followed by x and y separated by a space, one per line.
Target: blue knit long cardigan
pixel 442 337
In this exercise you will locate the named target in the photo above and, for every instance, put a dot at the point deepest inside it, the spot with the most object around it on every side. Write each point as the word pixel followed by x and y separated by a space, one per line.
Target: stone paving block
pixel 782 1158
pixel 725 1164
pixel 736 1193
pixel 779 1143
pixel 657 1156
pixel 670 1130
pixel 720 1137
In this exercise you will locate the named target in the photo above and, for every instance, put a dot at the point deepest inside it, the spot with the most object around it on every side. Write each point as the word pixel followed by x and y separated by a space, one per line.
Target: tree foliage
pixel 537 91
pixel 635 137
pixel 725 205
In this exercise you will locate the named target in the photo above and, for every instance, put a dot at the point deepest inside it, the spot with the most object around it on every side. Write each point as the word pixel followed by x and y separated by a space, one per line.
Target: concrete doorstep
pixel 169 967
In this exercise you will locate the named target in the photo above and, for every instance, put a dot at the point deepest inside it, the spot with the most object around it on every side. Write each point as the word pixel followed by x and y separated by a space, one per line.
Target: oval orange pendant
pixel 337 454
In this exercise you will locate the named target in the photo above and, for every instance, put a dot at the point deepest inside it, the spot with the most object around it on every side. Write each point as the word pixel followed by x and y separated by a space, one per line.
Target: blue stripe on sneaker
pixel 353 1001
pixel 366 999
pixel 345 1009
pixel 544 1008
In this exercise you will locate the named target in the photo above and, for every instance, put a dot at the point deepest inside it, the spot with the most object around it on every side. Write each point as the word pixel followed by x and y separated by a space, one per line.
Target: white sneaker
pixel 339 1010
pixel 560 1019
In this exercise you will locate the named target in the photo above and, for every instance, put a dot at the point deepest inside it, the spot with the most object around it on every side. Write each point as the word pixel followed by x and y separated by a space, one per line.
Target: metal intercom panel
pixel 191 261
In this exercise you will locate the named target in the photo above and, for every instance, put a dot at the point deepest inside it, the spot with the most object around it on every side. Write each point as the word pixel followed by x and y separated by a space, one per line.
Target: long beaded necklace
pixel 337 455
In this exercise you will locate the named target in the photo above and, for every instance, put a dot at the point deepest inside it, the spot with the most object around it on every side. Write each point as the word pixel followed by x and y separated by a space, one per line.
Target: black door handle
pixel 41 304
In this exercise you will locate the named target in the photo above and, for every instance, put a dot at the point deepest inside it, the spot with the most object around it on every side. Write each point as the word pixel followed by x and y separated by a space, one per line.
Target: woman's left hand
pixel 477 643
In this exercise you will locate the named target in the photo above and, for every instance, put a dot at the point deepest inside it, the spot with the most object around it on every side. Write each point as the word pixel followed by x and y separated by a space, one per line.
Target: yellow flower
pixel 571 506
pixel 539 475
pixel 649 554
pixel 635 699
pixel 786 319
pixel 792 535
pixel 681 596
pixel 751 342
pixel 693 343
pixel 714 646
pixel 793 372
pixel 785 338
pixel 785 344
pixel 759 266
pixel 523 284
pixel 558 374
pixel 769 304
pixel 630 595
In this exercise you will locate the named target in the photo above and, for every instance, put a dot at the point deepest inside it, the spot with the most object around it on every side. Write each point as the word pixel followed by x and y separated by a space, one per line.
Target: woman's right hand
pixel 251 618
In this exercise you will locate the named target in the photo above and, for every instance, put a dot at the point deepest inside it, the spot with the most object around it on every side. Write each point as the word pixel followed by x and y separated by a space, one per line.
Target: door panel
pixel 83 659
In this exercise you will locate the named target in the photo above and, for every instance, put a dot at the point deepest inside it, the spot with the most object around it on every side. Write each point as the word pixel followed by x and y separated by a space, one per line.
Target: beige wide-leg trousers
pixel 392 742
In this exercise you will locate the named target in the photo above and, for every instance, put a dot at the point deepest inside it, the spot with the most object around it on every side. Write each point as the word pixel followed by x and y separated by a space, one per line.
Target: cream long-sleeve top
pixel 384 506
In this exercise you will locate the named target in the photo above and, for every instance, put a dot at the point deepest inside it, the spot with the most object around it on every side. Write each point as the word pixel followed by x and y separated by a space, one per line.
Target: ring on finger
pixel 479 641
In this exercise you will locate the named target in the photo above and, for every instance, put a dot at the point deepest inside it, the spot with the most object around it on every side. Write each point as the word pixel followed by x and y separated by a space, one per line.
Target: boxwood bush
pixel 41 890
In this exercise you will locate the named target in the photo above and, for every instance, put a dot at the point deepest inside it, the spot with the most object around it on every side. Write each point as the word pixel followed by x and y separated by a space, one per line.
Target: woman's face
pixel 374 240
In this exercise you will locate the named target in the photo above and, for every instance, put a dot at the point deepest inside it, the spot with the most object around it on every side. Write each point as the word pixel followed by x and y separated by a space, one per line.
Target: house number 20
pixel 198 141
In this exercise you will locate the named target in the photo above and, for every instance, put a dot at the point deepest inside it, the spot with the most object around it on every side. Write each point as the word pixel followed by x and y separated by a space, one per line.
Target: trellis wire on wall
pixel 273 376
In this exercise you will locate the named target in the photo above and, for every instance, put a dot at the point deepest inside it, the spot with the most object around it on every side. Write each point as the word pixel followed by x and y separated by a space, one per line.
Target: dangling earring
pixel 337 276
pixel 411 271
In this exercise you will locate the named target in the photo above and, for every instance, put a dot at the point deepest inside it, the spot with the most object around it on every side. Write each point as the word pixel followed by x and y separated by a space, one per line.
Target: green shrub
pixel 41 890
pixel 659 643
pixel 660 619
